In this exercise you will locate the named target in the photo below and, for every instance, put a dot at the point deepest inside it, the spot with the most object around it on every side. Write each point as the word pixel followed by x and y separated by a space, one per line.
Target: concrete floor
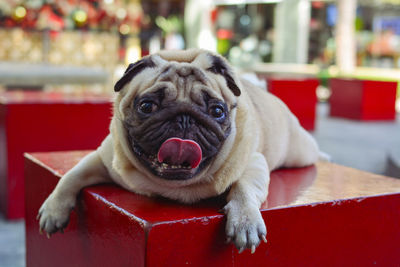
pixel 361 145
pixel 12 243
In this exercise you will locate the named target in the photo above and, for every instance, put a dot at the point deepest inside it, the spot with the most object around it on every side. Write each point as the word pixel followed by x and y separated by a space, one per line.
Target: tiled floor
pixel 362 145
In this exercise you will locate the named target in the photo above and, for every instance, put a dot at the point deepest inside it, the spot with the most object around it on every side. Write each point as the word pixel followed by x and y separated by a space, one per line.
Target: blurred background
pixel 323 38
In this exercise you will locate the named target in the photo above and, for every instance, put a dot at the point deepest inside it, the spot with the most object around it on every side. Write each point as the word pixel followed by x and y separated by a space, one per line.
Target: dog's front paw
pixel 244 227
pixel 54 214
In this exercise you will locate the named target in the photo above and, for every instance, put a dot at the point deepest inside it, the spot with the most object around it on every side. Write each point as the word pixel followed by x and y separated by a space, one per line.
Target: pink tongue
pixel 176 151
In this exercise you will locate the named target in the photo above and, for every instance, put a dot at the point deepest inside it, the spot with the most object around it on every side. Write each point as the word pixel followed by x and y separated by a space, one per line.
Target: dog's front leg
pixel 245 227
pixel 55 211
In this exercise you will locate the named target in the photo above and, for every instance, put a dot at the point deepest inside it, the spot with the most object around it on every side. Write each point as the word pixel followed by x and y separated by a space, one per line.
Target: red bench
pixel 298 93
pixel 363 99
pixel 38 121
pixel 323 215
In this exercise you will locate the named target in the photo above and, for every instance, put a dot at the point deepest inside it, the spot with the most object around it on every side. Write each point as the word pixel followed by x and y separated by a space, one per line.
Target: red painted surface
pixel 315 216
pixel 37 121
pixel 363 99
pixel 299 95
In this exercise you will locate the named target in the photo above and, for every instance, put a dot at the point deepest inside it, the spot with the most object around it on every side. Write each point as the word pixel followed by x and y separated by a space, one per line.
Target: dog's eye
pixel 217 111
pixel 148 107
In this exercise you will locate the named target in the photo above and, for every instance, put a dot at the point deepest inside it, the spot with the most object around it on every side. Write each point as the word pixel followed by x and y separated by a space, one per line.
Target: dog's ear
pixel 132 70
pixel 218 66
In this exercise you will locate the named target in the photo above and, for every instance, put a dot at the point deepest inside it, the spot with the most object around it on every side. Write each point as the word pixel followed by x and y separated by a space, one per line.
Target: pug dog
pixel 186 127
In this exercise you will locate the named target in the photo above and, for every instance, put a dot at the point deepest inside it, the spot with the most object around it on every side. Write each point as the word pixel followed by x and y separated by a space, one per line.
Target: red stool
pixel 323 215
pixel 299 94
pixel 38 121
pixel 363 99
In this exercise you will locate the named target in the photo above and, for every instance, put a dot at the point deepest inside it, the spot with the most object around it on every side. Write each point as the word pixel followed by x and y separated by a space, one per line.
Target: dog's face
pixel 177 109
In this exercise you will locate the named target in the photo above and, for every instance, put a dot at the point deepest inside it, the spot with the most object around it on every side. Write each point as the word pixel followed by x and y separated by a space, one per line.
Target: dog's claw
pixel 245 227
pixel 54 215
pixel 264 238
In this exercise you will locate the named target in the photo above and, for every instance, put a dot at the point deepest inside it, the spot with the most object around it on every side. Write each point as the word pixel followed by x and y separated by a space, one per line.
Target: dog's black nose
pixel 184 121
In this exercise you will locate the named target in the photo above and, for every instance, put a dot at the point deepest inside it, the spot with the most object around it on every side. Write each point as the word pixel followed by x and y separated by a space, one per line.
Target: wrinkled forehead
pixel 185 70
pixel 158 70
pixel 183 77
pixel 183 74
pixel 194 57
